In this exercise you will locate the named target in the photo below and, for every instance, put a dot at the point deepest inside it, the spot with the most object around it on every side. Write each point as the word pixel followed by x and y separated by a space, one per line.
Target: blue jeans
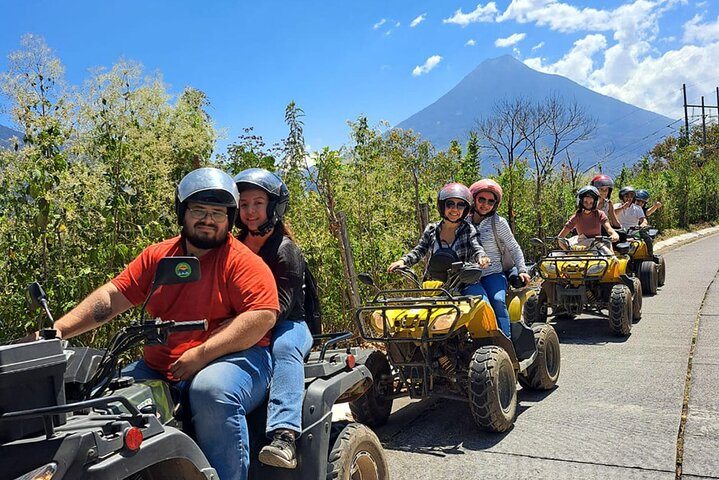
pixel 494 288
pixel 221 395
pixel 291 342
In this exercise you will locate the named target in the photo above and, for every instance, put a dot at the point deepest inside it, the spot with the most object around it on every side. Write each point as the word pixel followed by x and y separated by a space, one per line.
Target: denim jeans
pixel 494 288
pixel 221 394
pixel 291 342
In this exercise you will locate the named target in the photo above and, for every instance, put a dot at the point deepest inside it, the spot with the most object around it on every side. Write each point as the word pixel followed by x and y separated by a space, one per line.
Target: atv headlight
pixel 443 322
pixel 377 322
pixel 550 268
pixel 46 472
pixel 596 269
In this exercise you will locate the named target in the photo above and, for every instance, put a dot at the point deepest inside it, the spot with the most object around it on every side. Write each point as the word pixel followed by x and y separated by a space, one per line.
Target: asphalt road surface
pixel 618 411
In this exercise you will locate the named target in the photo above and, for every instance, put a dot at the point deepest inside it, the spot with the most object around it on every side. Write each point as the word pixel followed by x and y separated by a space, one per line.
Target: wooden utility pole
pixel 348 261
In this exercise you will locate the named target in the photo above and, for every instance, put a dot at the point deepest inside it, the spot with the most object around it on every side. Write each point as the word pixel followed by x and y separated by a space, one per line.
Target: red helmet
pixel 454 190
pixel 487 185
pixel 603 181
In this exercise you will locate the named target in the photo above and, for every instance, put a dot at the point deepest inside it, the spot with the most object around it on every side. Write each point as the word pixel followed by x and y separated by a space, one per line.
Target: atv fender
pixel 171 453
pixel 313 445
pixel 629 282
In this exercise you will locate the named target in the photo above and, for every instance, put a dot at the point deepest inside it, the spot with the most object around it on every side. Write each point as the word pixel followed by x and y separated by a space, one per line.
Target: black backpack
pixel 313 310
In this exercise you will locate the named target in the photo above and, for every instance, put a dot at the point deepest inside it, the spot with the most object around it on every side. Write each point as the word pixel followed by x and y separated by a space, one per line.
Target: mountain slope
pixel 6 135
pixel 625 130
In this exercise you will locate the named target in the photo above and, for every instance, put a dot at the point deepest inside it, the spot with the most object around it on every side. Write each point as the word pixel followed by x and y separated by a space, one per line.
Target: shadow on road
pixel 444 428
pixel 585 330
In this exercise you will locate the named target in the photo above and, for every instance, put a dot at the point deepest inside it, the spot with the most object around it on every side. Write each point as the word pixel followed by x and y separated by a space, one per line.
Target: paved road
pixel 617 409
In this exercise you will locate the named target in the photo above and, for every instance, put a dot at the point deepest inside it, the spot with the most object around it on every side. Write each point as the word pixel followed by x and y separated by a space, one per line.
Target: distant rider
pixel 588 221
pixel 452 232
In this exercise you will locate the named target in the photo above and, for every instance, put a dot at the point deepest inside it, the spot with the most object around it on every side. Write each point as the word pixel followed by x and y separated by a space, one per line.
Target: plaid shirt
pixel 466 244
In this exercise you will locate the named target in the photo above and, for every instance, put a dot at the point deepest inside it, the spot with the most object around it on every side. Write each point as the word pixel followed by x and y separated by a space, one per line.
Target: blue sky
pixel 386 60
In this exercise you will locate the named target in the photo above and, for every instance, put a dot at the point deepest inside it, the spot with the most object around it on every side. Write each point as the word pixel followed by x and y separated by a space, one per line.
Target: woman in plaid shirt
pixel 452 231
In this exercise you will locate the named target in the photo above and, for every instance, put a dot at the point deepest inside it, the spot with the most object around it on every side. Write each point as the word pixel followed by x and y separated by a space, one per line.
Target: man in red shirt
pixel 227 369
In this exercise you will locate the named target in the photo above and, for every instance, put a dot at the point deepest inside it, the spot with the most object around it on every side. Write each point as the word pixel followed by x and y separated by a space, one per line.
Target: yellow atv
pixel 440 343
pixel 581 279
pixel 650 268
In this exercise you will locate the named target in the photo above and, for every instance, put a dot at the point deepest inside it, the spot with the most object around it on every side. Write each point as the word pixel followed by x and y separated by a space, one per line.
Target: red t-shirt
pixel 233 280
pixel 589 225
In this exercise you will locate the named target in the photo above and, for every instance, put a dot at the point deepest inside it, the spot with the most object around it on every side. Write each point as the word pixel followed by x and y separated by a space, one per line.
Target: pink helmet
pixel 487 185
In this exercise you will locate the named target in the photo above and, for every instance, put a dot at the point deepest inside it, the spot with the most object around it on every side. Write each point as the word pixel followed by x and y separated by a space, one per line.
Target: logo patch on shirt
pixel 183 270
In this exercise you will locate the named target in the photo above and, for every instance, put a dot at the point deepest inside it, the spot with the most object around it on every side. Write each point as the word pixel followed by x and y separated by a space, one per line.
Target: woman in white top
pixel 495 237
pixel 629 213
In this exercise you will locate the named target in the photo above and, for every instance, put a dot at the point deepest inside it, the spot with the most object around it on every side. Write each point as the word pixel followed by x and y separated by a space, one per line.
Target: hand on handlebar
pixel 525 278
pixel 484 262
pixel 615 237
pixel 395 265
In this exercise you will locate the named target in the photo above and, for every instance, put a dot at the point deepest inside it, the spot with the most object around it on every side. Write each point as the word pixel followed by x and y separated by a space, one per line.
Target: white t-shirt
pixel 629 217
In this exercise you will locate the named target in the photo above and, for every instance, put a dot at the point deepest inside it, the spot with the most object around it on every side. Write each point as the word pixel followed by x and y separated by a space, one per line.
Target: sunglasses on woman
pixel 488 201
pixel 453 204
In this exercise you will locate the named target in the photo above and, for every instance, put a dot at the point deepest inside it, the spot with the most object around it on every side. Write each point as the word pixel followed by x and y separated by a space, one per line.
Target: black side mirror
pixel 172 271
pixel 622 248
pixel 366 278
pixel 456 267
pixel 537 241
pixel 36 296
pixel 470 274
pixel 38 299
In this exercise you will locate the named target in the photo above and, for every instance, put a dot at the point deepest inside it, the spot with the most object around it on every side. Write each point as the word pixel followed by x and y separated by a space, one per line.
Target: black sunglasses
pixel 488 201
pixel 452 204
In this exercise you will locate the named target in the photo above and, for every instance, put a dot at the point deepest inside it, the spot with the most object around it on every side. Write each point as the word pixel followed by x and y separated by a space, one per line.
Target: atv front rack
pixel 134 417
pixel 582 261
pixel 421 308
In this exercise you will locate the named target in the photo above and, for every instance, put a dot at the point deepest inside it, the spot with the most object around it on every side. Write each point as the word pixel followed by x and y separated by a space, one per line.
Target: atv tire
pixel 662 267
pixel 357 453
pixel 535 309
pixel 620 310
pixel 637 300
pixel 648 276
pixel 373 408
pixel 544 371
pixel 492 389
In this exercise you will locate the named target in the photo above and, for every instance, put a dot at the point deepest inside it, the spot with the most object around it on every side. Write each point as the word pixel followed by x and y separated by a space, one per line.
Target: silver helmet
pixel 210 186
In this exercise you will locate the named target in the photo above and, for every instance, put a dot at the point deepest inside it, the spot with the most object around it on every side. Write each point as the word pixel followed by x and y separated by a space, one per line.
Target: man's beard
pixel 204 241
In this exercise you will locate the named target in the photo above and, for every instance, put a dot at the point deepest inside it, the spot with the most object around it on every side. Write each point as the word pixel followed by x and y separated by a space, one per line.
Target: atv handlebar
pixel 189 326
pixel 152 332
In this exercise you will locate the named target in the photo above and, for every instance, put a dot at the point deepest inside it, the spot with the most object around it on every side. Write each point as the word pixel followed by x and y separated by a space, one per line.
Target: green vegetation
pixel 93 183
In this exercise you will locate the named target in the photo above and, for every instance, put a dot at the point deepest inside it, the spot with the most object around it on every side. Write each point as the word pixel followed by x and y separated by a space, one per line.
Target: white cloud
pixel 418 20
pixel 655 83
pixel 431 62
pixel 703 33
pixel 538 46
pixel 622 54
pixel 380 23
pixel 483 13
pixel 576 64
pixel 397 25
pixel 513 39
pixel 557 16
pixel 470 43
